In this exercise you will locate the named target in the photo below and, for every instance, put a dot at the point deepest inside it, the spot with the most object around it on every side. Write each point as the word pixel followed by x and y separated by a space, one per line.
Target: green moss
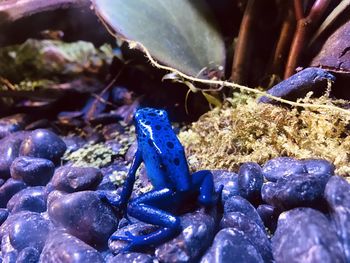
pixel 40 59
pixel 95 155
pixel 248 131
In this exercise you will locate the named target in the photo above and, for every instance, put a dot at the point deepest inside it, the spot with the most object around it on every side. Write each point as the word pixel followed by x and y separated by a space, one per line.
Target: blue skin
pixel 167 169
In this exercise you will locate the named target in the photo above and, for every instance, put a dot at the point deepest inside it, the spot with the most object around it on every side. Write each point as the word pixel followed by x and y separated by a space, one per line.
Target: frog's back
pixel 162 152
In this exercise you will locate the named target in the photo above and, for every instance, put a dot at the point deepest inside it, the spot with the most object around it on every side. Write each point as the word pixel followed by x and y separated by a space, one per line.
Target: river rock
pixel 72 179
pixel 25 229
pixel 318 166
pixel 42 143
pixel 9 189
pixel 337 194
pixel 269 215
pixel 9 150
pixel 296 190
pixel 231 245
pixel 62 247
pixel 305 235
pixel 28 255
pixel 30 199
pixel 33 171
pixel 280 167
pixel 132 257
pixel 85 216
pixel 250 181
pixel 251 230
pixel 198 230
pixel 241 205
pixel 230 182
pixel 4 213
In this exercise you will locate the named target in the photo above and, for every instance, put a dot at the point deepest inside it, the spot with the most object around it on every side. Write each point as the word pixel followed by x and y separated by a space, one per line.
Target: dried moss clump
pixel 249 131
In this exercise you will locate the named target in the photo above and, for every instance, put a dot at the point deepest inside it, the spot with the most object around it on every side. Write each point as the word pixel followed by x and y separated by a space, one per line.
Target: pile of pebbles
pixel 288 210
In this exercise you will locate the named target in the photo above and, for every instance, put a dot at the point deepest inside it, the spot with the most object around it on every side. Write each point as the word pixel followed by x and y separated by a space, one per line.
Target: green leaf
pixel 179 33
pixel 212 100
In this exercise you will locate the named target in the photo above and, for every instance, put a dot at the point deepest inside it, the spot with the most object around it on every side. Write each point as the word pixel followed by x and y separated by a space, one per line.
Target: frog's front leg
pixel 203 181
pixel 145 209
pixel 121 200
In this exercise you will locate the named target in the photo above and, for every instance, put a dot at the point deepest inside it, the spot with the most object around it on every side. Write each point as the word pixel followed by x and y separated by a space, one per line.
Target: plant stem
pixel 284 41
pixel 13 10
pixel 302 33
pixel 244 45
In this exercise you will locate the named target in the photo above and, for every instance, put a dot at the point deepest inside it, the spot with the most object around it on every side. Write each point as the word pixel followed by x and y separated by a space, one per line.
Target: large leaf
pixel 179 33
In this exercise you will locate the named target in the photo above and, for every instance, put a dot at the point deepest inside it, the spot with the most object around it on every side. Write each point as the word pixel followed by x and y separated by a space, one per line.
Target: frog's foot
pixel 218 195
pixel 203 181
pixel 139 242
pixel 134 241
pixel 213 200
pixel 113 199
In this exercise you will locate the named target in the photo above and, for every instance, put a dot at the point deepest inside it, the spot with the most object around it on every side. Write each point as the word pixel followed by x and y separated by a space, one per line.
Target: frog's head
pixel 148 120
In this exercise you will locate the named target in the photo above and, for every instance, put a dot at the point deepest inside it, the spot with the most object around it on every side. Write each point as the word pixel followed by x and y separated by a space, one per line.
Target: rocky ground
pixel 286 210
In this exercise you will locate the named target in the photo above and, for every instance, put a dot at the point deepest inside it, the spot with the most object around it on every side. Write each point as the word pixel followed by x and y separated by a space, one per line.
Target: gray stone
pixel 337 194
pixel 28 255
pixel 250 181
pixel 132 258
pixel 9 150
pixel 198 230
pixel 61 247
pixel 85 216
pixel 305 235
pixel 241 205
pixel 318 166
pixel 298 85
pixel 33 171
pixel 9 189
pixel 230 182
pixel 280 167
pixel 231 245
pixel 72 179
pixel 25 229
pixel 42 143
pixel 296 190
pixel 30 199
pixel 251 230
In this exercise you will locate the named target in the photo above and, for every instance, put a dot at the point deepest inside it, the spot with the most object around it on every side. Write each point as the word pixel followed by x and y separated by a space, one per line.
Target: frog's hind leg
pixel 145 209
pixel 203 181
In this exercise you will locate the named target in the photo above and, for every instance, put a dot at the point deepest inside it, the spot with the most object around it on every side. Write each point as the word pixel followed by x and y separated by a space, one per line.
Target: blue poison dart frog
pixel 167 169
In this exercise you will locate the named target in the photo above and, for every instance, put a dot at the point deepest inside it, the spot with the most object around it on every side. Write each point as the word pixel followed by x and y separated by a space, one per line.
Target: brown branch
pixel 298 9
pixel 244 44
pixel 302 33
pixel 12 10
pixel 284 40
